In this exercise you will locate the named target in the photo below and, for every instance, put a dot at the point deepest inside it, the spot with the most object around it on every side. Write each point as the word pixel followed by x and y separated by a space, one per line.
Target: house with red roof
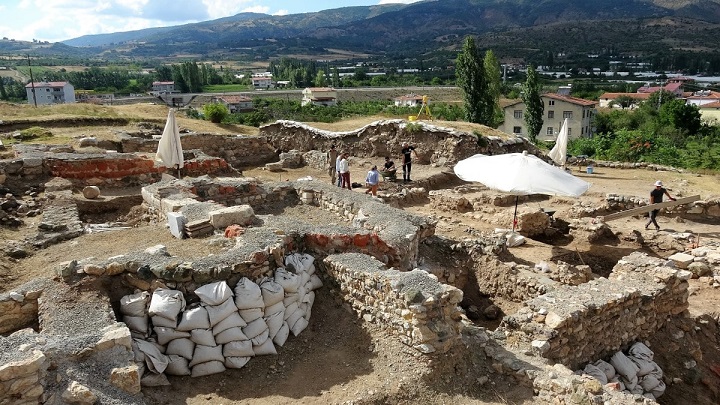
pixel 409 100
pixel 557 107
pixel 235 103
pixel 46 93
pixel 323 96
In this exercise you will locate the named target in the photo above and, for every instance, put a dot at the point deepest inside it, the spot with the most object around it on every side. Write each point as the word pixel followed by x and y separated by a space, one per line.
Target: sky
pixel 58 20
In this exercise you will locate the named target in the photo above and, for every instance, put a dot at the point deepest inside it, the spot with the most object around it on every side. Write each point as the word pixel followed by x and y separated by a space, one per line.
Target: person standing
pixel 407 152
pixel 372 180
pixel 331 156
pixel 656 196
pixel 337 169
pixel 344 170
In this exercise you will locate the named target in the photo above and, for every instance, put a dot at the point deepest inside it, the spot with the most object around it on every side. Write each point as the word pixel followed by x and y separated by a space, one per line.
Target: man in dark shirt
pixel 656 196
pixel 407 152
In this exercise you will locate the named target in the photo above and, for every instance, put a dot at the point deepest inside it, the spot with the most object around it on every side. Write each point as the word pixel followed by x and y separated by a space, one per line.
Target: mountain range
pixel 511 27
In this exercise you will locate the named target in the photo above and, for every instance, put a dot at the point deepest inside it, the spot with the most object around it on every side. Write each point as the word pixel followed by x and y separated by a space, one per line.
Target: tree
pixel 3 93
pixel 491 98
pixel 623 101
pixel 534 107
pixel 336 77
pixel 320 79
pixel 470 77
pixel 215 112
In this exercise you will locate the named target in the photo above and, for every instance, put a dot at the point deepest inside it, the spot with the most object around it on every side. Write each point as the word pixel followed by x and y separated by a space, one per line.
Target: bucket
pixel 589 170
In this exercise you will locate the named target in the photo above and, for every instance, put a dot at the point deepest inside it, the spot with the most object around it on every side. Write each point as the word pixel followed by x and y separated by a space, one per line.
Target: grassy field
pixel 226 88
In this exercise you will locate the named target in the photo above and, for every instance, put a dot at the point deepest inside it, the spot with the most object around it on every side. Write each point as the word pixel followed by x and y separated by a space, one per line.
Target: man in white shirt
pixel 337 169
pixel 344 170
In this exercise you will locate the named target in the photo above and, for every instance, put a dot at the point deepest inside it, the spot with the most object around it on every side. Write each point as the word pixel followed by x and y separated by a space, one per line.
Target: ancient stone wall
pixel 437 145
pixel 509 280
pixel 421 311
pixel 21 381
pixel 707 208
pixel 19 309
pixel 577 324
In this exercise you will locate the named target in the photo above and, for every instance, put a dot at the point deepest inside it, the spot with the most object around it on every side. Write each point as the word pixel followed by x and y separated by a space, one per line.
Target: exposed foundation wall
pixel 18 309
pixel 422 312
pixel 508 280
pixel 574 325
pixel 21 381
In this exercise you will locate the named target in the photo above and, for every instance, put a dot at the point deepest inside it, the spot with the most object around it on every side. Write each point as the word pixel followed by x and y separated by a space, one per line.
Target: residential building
pixel 710 112
pixel 324 96
pixel 45 93
pixel 703 97
pixel 605 100
pixel 674 86
pixel 235 103
pixel 163 88
pixel 408 100
pixel 578 111
pixel 261 82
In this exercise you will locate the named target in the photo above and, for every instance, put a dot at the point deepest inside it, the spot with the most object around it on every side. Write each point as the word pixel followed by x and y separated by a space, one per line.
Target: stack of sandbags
pixel 165 309
pixel 224 331
pixel 134 309
pixel 635 373
pixel 303 267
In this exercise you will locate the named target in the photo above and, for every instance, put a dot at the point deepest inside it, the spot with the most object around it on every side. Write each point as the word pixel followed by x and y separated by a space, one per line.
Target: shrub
pixel 33 133
pixel 412 127
pixel 215 112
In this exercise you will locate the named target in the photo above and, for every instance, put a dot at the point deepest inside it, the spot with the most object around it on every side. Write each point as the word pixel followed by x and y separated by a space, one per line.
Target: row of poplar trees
pixel 479 80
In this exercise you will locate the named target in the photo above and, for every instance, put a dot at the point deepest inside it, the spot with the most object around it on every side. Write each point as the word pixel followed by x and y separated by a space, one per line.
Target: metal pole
pixel 32 82
pixel 515 214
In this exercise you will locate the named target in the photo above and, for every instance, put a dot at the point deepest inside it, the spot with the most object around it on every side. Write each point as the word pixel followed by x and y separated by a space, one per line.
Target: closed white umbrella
pixel 559 152
pixel 169 150
pixel 520 174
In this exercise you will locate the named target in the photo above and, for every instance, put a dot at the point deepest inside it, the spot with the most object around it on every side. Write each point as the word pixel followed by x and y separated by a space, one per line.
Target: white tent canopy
pixel 169 150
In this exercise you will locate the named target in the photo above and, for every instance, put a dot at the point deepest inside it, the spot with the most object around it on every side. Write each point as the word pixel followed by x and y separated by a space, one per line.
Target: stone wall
pixel 412 305
pixel 708 208
pixel 510 281
pixel 240 151
pixel 577 324
pixel 19 309
pixel 437 145
pixel 21 381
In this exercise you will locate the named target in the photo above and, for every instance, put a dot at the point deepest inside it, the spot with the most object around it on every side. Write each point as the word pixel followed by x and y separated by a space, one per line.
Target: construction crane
pixel 424 112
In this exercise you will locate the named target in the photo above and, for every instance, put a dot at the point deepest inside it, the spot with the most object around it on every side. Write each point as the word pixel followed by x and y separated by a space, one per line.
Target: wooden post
pixel 648 208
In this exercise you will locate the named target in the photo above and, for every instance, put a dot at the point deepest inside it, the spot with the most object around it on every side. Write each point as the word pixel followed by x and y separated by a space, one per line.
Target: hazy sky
pixel 57 20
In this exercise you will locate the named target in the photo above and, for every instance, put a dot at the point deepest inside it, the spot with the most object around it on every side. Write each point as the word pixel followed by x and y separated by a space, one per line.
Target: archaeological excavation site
pixel 247 276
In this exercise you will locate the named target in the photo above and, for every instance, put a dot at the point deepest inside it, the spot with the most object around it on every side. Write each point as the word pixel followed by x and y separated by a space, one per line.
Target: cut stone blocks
pixel 240 215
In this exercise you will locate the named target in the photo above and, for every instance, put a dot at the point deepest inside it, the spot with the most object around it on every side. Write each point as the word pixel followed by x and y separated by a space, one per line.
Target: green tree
pixel 491 98
pixel 336 77
pixel 3 93
pixel 623 101
pixel 320 79
pixel 534 107
pixel 470 77
pixel 215 112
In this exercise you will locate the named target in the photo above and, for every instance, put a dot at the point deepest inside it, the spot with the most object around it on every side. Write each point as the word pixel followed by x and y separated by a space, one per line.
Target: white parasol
pixel 169 150
pixel 520 174
pixel 559 152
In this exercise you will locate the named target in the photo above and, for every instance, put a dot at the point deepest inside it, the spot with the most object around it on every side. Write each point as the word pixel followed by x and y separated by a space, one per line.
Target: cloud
pixel 257 9
pixel 281 12
pixel 398 1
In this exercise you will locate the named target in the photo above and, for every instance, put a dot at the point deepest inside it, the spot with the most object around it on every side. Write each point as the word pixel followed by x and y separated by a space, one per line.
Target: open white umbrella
pixel 520 174
pixel 169 150
pixel 559 152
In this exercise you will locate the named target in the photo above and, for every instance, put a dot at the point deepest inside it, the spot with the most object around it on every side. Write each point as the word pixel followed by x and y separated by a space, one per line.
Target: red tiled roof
pixel 235 99
pixel 634 96
pixel 46 84
pixel 714 95
pixel 571 99
pixel 162 83
pixel 710 105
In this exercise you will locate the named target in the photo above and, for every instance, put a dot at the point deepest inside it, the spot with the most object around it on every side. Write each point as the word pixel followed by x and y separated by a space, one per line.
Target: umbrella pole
pixel 515 214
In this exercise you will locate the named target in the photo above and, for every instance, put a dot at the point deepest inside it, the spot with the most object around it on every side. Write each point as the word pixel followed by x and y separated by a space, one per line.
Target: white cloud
pixel 281 12
pixel 257 9
pixel 398 1
pixel 224 8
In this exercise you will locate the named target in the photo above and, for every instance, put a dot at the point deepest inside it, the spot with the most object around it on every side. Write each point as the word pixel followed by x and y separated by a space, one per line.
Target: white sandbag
pixel 135 304
pixel 645 367
pixel 659 390
pixel 624 366
pixel 307 261
pixel 138 324
pixel 166 303
pixel 164 322
pixel 181 347
pixel 304 278
pixel 154 380
pixel 299 326
pixel 155 361
pixel 265 349
pixel 282 335
pixel 640 351
pixel 248 295
pixel 309 298
pixel 631 384
pixel 195 318
pixel 230 335
pixel 272 292
pixel 160 347
pixel 294 263
pixel 218 313
pixel 649 382
pixel 249 315
pixel 236 362
pixel 203 354
pixel 315 282
pixel 261 338
pixel 274 323
pixel 211 367
pixel 291 298
pixel 289 281
pixel 274 309
pixel 595 373
pixel 165 335
pixel 232 321
pixel 657 372
pixel 294 317
pixel 606 367
pixel 241 348
pixel 308 312
pixel 311 269
pixel 214 293
pixel 178 365
pixel 255 328
pixel 203 337
pixel 302 292
pixel 138 355
pixel 290 309
pixel 304 307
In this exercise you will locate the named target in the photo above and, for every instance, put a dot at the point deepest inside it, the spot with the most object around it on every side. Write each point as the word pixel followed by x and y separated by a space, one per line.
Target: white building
pixel 262 82
pixel 324 96
pixel 45 93
pixel 163 88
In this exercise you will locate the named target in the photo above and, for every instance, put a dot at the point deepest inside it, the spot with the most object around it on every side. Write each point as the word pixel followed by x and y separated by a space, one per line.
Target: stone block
pixel 682 260
pixel 274 167
pixel 126 378
pixel 91 192
pixel 224 217
pixel 114 335
pixel 77 393
pixel 176 222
